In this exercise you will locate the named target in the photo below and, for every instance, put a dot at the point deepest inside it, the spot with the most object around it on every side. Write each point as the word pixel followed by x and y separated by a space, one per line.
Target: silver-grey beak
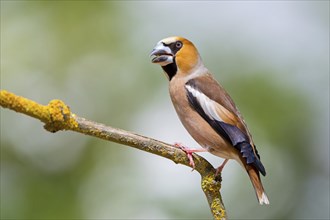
pixel 161 54
pixel 158 52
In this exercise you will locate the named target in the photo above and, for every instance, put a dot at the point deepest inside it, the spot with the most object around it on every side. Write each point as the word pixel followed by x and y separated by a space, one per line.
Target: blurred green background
pixel 272 57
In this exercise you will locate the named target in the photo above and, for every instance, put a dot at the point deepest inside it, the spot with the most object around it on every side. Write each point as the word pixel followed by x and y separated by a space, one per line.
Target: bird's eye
pixel 178 44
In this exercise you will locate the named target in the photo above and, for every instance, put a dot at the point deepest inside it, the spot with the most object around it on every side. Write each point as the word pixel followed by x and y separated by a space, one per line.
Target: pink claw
pixel 189 153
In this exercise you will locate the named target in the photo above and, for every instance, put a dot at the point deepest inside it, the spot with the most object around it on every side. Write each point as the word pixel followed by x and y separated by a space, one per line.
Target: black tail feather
pixel 247 152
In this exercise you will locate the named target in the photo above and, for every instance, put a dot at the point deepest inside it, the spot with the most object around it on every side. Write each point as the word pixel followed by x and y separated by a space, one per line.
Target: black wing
pixel 229 132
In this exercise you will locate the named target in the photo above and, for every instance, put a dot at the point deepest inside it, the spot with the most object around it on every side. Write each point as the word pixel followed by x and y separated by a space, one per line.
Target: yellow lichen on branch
pixel 24 105
pixel 60 117
pixel 211 186
pixel 57 116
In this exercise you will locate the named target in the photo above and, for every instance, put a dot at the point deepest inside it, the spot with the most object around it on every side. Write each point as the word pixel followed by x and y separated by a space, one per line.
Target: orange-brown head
pixel 176 55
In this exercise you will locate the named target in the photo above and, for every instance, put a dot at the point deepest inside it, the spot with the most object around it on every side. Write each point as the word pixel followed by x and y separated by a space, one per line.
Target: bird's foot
pixel 189 153
pixel 220 168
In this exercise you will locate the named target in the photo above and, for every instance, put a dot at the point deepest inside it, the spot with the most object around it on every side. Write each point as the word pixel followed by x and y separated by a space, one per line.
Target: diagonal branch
pixel 57 116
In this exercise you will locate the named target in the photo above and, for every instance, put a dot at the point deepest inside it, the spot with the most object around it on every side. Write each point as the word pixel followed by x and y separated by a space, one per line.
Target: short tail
pixel 256 182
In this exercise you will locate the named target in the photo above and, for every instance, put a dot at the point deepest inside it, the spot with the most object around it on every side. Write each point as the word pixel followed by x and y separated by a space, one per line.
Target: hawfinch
pixel 206 109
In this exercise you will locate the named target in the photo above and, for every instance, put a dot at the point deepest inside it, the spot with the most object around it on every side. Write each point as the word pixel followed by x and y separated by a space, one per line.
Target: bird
pixel 206 110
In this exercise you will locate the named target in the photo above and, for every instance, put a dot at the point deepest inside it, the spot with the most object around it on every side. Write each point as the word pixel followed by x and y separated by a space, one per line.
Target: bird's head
pixel 176 54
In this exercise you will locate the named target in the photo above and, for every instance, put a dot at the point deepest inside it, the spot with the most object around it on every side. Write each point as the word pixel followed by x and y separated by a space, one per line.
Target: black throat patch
pixel 170 69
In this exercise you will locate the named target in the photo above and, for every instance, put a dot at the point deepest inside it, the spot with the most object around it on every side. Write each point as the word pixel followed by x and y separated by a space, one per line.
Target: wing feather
pixel 225 123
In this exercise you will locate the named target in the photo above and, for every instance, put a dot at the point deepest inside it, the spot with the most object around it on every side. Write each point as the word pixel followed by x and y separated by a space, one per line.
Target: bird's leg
pixel 189 152
pixel 220 168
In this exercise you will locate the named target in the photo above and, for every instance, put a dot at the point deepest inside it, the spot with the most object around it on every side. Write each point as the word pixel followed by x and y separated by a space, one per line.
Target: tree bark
pixel 57 116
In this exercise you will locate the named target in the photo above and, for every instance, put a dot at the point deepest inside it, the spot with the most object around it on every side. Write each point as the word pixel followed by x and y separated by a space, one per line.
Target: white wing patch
pixel 207 104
